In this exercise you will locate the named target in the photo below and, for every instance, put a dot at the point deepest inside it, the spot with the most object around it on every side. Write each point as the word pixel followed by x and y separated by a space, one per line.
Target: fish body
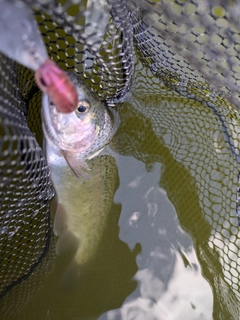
pixel 83 208
pixel 74 143
pixel 21 41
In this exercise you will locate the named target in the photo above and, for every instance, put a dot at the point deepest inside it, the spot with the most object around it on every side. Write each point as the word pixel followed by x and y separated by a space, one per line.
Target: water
pixel 170 249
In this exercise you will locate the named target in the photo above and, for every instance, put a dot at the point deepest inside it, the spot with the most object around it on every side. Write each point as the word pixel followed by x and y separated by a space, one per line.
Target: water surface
pixel 170 247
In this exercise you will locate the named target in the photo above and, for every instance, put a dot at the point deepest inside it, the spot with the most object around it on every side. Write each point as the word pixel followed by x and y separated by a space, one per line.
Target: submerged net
pixel 192 47
pixel 199 172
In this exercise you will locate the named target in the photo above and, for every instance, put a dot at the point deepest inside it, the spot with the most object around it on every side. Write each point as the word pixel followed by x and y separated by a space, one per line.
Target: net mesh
pixel 190 47
pixel 193 146
pixel 24 186
pixel 80 40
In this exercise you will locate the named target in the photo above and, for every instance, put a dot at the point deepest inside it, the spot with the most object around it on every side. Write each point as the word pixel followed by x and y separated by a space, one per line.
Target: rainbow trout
pixel 74 146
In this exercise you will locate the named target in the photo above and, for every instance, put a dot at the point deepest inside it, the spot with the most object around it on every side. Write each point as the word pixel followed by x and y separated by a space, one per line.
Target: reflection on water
pixel 170 250
pixel 199 157
pixel 170 280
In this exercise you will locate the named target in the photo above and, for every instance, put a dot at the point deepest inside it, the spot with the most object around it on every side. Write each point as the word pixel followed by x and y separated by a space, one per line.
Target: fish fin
pixel 70 278
pixel 60 220
pixel 77 166
pixel 67 244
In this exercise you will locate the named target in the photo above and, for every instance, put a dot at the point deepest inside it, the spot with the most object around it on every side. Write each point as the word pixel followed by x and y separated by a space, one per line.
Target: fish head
pixel 77 130
pixel 81 131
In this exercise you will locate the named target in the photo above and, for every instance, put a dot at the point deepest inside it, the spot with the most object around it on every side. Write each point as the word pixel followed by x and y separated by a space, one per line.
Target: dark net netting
pixel 24 184
pixel 81 37
pixel 190 47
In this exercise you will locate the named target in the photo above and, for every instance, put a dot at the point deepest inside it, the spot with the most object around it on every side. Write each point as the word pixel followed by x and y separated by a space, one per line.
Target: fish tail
pixel 70 278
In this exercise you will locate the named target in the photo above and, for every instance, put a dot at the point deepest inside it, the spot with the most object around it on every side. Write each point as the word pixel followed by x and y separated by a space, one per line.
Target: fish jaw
pixel 56 84
pixel 73 151
pixel 73 136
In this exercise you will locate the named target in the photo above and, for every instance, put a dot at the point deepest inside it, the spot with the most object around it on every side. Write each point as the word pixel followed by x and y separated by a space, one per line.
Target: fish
pixel 21 41
pixel 74 144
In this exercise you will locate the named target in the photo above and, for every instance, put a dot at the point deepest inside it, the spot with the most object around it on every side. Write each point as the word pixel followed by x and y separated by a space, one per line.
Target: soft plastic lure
pixel 21 40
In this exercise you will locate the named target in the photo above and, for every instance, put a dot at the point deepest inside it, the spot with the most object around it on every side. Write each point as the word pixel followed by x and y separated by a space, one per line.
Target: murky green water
pixel 170 247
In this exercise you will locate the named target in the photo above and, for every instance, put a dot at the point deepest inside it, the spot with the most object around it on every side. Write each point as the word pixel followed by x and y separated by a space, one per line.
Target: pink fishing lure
pixel 56 84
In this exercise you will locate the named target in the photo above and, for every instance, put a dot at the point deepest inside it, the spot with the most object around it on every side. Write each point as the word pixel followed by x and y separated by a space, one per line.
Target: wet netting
pixel 191 47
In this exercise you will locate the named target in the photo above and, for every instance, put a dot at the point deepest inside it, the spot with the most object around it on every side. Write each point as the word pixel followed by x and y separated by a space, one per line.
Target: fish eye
pixel 83 107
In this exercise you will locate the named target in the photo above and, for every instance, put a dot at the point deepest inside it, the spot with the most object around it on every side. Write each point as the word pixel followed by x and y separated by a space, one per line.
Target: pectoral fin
pixel 60 220
pixel 67 244
pixel 70 278
pixel 78 166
